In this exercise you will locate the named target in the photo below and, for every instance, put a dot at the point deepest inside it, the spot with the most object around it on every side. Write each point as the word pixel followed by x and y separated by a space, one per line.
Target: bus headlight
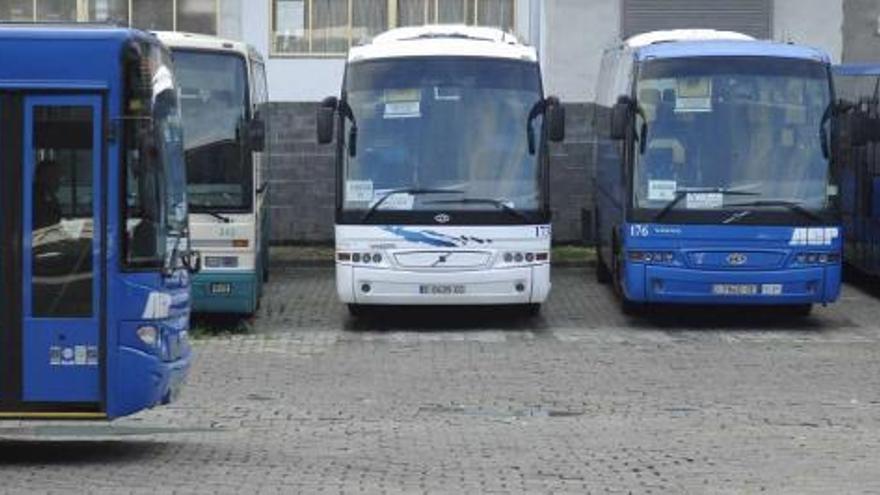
pixel 817 259
pixel 221 262
pixel 149 335
pixel 366 258
pixel 525 258
pixel 652 257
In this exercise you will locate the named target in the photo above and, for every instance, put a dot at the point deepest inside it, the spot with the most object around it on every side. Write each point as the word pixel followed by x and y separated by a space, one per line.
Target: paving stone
pixel 579 400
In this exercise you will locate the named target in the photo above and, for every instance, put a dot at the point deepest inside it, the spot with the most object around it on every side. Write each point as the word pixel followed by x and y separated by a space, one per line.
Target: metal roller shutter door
pixel 753 17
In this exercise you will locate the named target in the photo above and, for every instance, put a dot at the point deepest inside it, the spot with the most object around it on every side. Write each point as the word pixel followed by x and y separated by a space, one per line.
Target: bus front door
pixel 51 360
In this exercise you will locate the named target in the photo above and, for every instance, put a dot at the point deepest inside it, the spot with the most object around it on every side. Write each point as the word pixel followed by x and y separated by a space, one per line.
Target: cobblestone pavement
pixel 580 400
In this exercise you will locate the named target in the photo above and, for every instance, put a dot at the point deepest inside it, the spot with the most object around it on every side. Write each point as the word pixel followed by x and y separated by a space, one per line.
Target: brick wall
pixel 302 176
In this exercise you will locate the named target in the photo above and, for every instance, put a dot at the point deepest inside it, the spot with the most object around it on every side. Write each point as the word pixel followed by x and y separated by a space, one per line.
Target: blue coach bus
pixel 715 180
pixel 859 85
pixel 95 257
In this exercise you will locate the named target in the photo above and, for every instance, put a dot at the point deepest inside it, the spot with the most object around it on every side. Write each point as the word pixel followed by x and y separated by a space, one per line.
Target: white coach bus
pixel 442 170
pixel 222 97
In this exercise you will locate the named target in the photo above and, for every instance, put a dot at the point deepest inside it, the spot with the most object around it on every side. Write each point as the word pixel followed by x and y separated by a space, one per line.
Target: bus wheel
pixel 801 310
pixel 532 310
pixel 356 310
pixel 603 274
pixel 265 272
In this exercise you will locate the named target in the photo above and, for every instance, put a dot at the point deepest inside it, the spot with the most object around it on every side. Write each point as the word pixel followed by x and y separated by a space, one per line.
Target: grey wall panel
pixel 752 17
pixel 302 176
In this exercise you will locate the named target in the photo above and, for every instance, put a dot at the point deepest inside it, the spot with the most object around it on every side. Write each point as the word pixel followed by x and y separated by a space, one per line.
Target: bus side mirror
pixel 621 113
pixel 257 134
pixel 555 120
pixel 193 261
pixel 325 118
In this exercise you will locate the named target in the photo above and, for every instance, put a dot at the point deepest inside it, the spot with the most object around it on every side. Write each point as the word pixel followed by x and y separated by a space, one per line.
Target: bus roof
pixel 173 39
pixel 444 40
pixel 730 48
pixel 864 69
pixel 72 31
pixel 64 56
pixel 666 36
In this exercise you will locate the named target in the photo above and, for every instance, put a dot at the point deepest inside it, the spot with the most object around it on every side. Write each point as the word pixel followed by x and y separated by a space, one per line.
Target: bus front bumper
pixel 224 292
pixel 521 285
pixel 146 381
pixel 661 284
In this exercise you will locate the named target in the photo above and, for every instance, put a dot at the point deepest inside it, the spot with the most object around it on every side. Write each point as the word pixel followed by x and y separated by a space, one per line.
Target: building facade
pixel 305 42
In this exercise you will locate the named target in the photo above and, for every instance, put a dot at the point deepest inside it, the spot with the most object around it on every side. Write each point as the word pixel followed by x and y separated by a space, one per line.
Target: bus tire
pixel 603 274
pixel 532 310
pixel 801 310
pixel 356 310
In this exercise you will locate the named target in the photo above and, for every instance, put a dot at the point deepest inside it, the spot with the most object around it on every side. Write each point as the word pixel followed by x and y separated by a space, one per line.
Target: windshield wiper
pixel 790 205
pixel 503 205
pixel 415 191
pixel 216 215
pixel 680 194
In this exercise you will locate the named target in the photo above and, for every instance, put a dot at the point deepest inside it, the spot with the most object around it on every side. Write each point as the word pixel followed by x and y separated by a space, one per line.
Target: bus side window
pixel 143 217
pixel 146 215
pixel 261 111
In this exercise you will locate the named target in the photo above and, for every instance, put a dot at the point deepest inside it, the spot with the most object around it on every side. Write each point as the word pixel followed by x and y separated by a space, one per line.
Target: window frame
pixel 82 13
pixel 391 22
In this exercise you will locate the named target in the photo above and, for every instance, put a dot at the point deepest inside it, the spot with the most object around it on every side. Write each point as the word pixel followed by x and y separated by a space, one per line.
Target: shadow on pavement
pixel 220 324
pixel 34 452
pixel 752 318
pixel 445 318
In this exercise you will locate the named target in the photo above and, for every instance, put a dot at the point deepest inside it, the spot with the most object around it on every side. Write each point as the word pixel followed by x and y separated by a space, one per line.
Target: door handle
pixel 51 254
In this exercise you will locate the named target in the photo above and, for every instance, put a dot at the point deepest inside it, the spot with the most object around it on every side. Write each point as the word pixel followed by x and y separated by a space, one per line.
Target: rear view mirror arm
pixel 537 109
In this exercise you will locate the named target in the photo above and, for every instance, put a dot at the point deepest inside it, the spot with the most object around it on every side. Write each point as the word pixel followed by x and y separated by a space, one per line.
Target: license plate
pixel 735 289
pixel 221 288
pixel 441 289
pixel 771 289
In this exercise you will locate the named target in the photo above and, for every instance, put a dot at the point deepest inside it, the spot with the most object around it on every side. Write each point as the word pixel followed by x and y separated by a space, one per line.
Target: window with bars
pixel 330 27
pixel 196 16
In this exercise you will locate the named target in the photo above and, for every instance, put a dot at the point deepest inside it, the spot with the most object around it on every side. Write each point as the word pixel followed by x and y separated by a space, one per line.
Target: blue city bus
pixel 95 254
pixel 859 85
pixel 715 178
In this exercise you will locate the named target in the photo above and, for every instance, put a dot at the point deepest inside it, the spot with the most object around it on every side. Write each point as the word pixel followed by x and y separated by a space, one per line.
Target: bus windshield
pixel 436 124
pixel 214 102
pixel 716 133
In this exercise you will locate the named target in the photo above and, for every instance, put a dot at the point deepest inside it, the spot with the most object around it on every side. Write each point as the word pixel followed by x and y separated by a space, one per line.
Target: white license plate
pixel 441 289
pixel 771 289
pixel 221 288
pixel 735 289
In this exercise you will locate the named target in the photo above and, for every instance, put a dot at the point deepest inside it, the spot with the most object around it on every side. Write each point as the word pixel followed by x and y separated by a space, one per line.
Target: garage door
pixel 746 16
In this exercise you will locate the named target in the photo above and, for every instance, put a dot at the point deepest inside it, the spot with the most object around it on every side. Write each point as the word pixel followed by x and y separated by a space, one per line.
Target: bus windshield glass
pixel 214 102
pixel 716 133
pixel 435 124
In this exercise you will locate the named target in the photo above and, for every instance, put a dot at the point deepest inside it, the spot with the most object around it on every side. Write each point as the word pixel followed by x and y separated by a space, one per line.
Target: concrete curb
pixel 305 263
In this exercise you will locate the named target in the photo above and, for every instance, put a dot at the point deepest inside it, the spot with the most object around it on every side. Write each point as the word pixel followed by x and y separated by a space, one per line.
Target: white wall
pixel 570 35
pixel 816 23
pixel 576 32
pixel 230 19
pixel 312 78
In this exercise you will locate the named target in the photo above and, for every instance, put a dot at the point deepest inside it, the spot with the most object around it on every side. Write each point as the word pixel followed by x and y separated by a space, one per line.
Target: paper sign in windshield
pixel 704 201
pixel 694 95
pixel 398 201
pixel 661 190
pixel 359 190
pixel 402 110
pixel 402 104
